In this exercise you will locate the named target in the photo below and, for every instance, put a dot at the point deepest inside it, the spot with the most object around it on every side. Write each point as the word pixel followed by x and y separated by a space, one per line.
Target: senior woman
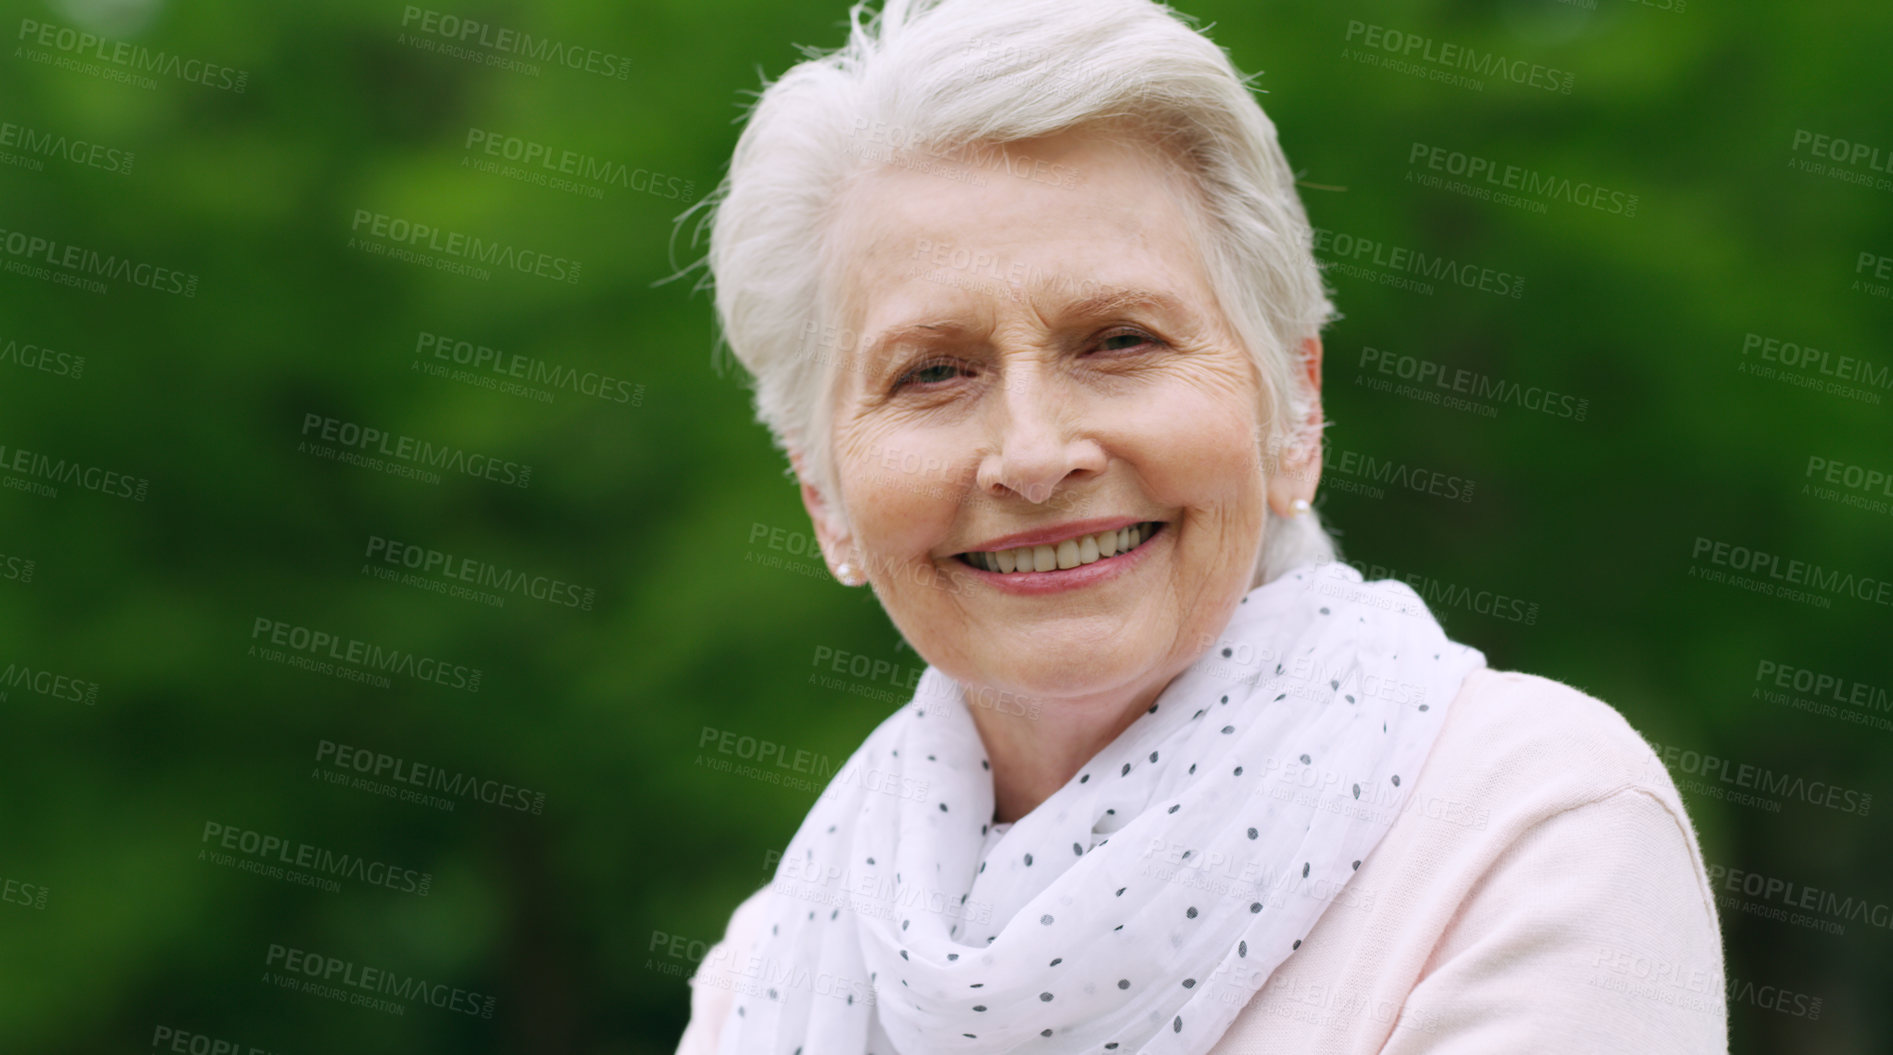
pixel 1029 302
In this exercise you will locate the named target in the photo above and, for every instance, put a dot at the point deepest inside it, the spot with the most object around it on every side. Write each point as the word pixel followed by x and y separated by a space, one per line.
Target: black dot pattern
pixel 937 912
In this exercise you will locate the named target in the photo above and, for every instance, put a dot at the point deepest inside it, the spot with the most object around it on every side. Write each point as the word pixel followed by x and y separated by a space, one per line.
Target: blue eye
pixel 927 373
pixel 1134 340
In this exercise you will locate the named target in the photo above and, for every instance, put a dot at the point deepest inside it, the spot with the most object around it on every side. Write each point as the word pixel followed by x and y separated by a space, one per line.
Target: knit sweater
pixel 1542 892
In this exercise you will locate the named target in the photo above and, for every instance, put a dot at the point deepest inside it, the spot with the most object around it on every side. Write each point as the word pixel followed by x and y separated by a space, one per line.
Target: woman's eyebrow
pixel 919 332
pixel 1116 301
pixel 875 352
pixel 1108 301
pixel 1111 301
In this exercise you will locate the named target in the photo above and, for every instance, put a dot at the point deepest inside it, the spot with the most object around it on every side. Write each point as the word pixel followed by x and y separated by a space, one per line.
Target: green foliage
pixel 655 495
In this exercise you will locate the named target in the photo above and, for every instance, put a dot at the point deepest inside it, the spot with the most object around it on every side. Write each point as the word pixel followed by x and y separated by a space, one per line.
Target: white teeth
pixel 1071 553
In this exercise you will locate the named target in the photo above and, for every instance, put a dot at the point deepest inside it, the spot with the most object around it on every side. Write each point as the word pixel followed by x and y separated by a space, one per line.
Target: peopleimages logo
pixel 84 267
pixel 275 854
pixel 132 58
pixel 1439 594
pixel 1852 477
pixel 38 143
pixel 29 356
pixel 1742 775
pixel 459 245
pixel 545 165
pixel 503 41
pixel 527 368
pixel 1811 691
pixel 48 683
pixel 331 969
pixel 1769 891
pixel 1523 180
pixel 1460 57
pixel 1344 248
pixel 1823 686
pixel 368 440
pixel 350 652
pixel 1367 470
pixel 26 895
pixel 1785 573
pixel 381 766
pixel 1867 156
pixel 33 467
pixel 428 561
pixel 1812 368
pixel 1472 383
pixel 15 568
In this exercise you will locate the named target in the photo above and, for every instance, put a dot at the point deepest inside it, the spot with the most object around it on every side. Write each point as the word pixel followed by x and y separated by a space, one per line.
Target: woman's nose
pixel 1039 438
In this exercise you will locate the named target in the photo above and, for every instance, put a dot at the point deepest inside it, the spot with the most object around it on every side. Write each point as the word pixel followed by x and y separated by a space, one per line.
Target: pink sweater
pixel 1543 893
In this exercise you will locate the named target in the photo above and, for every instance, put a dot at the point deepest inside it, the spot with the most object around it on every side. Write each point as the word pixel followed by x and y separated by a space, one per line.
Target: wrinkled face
pixel 1045 435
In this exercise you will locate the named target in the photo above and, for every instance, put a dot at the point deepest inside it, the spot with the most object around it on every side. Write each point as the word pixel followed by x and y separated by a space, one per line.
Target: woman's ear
pixel 1311 362
pixel 831 527
pixel 1297 472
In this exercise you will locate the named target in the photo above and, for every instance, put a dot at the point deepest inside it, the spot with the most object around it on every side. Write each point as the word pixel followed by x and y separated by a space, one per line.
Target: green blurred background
pixel 687 603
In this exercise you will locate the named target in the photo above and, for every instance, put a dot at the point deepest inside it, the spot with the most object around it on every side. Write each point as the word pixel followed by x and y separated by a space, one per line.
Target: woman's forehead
pixel 1095 180
pixel 906 245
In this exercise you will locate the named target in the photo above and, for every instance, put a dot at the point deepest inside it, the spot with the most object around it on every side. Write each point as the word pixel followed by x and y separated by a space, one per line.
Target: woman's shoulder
pixel 1542 855
pixel 1516 734
pixel 721 976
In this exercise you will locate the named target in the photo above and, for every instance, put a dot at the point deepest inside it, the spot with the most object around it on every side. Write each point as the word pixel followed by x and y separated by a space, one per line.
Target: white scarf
pixel 1139 907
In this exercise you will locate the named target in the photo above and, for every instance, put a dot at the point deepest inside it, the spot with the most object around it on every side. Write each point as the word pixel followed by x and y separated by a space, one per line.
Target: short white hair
pixel 943 75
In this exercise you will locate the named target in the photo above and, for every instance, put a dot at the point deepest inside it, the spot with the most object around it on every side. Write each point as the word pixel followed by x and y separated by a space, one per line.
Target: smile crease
pixel 1070 553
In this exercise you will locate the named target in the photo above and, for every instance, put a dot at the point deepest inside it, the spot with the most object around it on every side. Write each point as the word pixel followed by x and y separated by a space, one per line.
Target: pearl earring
pixel 1299 505
pixel 845 572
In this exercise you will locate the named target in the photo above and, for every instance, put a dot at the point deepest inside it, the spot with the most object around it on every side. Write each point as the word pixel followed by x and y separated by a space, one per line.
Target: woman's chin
pixel 1062 673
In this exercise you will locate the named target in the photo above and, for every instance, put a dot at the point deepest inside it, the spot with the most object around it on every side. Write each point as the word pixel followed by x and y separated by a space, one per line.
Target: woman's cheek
pixel 900 506
pixel 1198 454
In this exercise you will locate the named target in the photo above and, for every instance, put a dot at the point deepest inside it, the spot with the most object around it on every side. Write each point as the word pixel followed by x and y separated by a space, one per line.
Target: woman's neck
pixel 1036 753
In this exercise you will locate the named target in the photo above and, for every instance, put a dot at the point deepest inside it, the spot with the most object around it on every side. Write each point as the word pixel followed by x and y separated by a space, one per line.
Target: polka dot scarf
pixel 1140 906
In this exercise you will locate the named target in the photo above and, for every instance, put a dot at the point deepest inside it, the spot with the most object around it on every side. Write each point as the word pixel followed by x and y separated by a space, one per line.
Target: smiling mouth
pixel 1062 556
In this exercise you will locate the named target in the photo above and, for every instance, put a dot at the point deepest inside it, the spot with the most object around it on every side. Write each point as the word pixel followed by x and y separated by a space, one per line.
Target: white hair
pixel 933 77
